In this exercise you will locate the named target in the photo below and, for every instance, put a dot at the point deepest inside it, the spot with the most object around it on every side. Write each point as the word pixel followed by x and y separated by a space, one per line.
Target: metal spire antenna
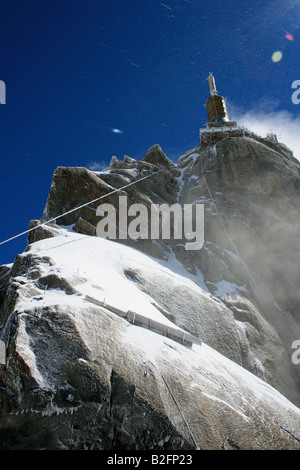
pixel 218 126
pixel 215 104
pixel 212 84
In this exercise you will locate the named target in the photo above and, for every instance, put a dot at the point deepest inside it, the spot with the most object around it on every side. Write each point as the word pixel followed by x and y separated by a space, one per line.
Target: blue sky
pixel 77 69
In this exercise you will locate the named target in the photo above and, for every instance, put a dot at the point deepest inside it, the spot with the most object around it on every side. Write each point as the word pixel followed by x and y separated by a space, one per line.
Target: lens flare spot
pixel 289 36
pixel 117 131
pixel 277 56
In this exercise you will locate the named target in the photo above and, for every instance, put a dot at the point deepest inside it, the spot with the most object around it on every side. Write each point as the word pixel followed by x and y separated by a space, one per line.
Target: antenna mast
pixel 212 84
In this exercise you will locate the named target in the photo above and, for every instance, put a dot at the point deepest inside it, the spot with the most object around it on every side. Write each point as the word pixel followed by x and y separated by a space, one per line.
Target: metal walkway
pixel 134 318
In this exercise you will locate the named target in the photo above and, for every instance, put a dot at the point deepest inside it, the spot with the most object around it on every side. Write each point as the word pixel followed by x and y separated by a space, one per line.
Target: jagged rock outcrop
pixel 71 186
pixel 77 376
pixel 251 194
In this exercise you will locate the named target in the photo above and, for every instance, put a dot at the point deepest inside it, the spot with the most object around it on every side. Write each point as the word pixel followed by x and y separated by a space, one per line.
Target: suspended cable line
pixel 235 248
pixel 79 207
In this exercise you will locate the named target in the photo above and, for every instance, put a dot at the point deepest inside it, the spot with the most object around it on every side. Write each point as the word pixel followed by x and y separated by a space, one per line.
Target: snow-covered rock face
pixel 251 255
pixel 79 376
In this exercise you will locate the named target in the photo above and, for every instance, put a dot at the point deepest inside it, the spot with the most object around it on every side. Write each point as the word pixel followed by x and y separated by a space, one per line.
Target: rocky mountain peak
pixel 80 366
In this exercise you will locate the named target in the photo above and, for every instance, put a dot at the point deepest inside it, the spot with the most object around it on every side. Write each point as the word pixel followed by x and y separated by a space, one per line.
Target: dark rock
pixel 53 281
pixel 40 232
pixel 156 156
pixel 250 189
pixel 83 226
